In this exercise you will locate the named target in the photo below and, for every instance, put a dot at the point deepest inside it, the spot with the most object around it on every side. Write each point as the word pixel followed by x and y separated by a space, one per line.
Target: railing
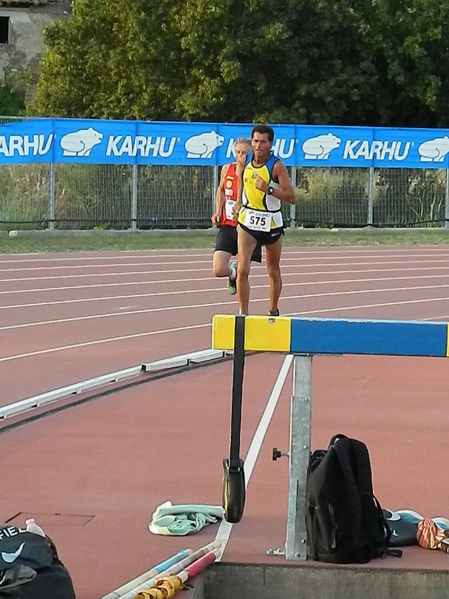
pixel 86 173
pixel 62 196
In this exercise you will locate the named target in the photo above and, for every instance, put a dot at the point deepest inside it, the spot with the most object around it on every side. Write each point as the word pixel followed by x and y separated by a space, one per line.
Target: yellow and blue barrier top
pixel 334 336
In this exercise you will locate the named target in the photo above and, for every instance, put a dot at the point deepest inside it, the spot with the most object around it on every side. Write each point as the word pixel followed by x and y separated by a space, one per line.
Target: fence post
pixel 51 198
pixel 134 198
pixel 446 201
pixel 293 206
pixel 214 187
pixel 370 196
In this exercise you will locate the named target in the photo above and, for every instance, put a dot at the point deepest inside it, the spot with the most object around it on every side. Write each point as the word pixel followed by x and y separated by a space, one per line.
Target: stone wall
pixel 27 21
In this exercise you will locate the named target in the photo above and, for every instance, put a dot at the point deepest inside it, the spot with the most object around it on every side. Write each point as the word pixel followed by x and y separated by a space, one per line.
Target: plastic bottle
pixel 31 526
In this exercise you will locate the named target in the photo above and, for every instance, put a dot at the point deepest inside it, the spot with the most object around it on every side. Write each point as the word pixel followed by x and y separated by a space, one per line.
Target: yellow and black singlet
pixel 260 211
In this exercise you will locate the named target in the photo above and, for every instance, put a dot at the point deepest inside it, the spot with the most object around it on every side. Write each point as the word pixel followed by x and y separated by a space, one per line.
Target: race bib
pixel 229 205
pixel 257 220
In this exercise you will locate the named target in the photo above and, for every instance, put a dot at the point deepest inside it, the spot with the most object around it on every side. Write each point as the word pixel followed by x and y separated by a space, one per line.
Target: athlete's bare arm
pixel 219 197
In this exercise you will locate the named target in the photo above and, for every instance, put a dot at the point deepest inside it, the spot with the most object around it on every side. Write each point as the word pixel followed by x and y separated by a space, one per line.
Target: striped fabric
pixel 430 536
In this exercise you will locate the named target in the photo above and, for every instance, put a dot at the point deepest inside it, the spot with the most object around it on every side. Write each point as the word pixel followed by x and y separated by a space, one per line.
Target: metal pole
pixel 214 187
pixel 293 206
pixel 134 198
pixel 51 198
pixel 300 411
pixel 446 201
pixel 370 196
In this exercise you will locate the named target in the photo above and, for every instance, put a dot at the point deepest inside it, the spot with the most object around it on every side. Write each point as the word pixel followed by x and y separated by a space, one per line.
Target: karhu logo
pixel 203 145
pixel 319 147
pixel 378 149
pixel 9 558
pixel 434 150
pixel 81 142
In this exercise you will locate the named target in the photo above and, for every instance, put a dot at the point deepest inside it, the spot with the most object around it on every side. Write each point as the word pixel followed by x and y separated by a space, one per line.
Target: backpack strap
pixel 16 576
pixel 363 467
pixel 343 450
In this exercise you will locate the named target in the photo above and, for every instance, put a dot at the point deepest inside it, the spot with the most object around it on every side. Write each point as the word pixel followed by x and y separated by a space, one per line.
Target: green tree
pixel 342 62
pixel 10 103
pixel 408 44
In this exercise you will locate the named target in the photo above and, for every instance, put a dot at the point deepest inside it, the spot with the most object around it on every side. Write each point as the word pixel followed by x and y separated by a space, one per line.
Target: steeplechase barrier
pixel 304 338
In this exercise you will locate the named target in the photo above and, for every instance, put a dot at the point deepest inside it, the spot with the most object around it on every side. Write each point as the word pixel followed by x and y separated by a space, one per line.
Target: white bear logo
pixel 81 142
pixel 320 147
pixel 434 150
pixel 202 145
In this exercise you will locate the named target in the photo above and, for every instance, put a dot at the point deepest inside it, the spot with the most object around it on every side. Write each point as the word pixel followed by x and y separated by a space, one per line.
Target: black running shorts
pixel 226 241
pixel 264 237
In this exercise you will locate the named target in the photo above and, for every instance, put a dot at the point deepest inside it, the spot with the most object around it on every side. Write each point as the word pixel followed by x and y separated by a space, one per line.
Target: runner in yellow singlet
pixel 262 188
pixel 225 197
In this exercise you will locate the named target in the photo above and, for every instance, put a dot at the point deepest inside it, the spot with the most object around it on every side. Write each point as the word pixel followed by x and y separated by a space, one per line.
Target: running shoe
pixel 410 515
pixel 232 280
pixel 402 531
pixel 441 522
pixel 273 312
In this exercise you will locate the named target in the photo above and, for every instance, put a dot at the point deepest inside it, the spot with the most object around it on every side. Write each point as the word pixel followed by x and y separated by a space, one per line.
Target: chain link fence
pixel 62 196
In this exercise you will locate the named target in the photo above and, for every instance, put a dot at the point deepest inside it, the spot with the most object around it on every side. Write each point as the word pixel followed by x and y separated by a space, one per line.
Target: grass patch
pixel 84 241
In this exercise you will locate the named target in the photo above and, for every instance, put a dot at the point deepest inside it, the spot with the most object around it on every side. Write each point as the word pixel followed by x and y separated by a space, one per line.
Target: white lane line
pixel 175 281
pixel 360 306
pixel 103 266
pixel 100 341
pixel 302 254
pixel 211 304
pixel 186 328
pixel 73 257
pixel 225 528
pixel 111 315
pixel 206 290
pixel 253 276
pixel 103 274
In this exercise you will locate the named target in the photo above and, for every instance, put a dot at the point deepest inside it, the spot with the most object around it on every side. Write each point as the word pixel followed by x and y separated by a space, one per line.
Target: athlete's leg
pixel 220 264
pixel 246 245
pixel 225 247
pixel 273 258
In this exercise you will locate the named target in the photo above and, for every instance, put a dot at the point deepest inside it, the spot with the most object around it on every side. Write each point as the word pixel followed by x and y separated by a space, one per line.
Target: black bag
pixel 344 520
pixel 30 567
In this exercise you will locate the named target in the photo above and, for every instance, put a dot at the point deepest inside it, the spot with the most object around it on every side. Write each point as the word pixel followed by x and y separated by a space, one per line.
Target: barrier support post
pixel 299 452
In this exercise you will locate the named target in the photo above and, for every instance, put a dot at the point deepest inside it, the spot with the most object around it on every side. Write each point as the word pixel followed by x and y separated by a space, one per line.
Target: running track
pixel 69 317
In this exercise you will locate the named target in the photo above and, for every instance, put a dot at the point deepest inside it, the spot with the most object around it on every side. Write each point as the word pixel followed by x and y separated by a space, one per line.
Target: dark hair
pixel 263 129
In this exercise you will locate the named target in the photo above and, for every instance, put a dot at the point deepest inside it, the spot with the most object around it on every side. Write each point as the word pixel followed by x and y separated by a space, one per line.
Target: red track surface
pixel 93 474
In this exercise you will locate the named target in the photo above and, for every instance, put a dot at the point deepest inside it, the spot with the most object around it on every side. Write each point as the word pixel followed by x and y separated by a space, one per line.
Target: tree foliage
pixel 10 104
pixel 360 62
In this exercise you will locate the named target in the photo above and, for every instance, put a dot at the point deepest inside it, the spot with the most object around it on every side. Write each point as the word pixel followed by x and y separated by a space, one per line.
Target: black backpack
pixel 30 567
pixel 344 520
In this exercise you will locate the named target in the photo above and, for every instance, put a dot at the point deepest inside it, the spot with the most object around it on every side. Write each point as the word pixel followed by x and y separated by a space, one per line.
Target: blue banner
pixel 89 141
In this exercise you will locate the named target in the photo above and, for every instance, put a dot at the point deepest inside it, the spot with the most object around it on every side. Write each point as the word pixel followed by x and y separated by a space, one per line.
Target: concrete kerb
pixel 261 581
